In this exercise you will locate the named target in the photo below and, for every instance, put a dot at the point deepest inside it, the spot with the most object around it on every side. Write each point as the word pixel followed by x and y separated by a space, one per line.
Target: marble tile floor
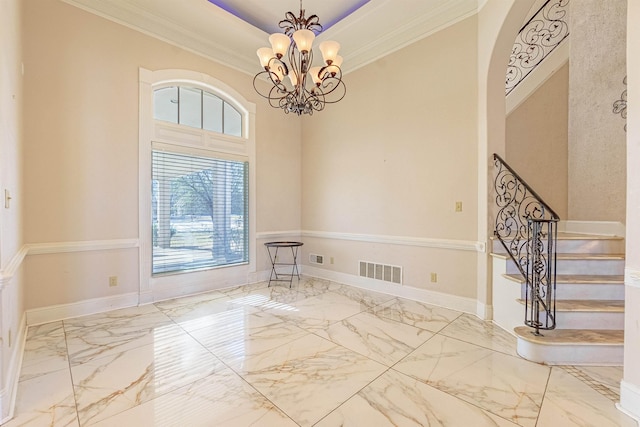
pixel 321 354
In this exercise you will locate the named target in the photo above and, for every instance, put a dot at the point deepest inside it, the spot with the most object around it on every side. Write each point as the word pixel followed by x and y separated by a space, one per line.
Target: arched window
pixel 191 106
pixel 197 212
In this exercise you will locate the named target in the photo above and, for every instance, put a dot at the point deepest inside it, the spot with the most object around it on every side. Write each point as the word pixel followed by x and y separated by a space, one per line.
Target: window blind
pixel 199 212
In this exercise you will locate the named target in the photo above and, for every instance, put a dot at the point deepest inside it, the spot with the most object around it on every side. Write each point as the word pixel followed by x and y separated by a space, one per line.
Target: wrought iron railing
pixel 527 228
pixel 537 39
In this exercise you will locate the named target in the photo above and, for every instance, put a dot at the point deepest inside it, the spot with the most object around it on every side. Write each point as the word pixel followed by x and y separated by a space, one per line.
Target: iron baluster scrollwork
pixel 537 39
pixel 526 227
pixel 541 273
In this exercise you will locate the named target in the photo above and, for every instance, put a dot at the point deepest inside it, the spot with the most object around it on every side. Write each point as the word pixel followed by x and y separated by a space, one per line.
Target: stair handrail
pixel 526 226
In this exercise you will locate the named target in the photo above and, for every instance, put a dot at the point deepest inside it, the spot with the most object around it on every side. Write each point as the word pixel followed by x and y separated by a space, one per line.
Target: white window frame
pixel 184 139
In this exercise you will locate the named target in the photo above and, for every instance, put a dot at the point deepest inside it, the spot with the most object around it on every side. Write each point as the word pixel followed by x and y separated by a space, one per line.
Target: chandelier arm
pixel 278 64
pixel 331 85
pixel 273 91
pixel 298 66
pixel 316 102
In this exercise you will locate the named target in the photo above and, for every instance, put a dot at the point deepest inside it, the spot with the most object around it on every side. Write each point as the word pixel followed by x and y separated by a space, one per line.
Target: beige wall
pixel 394 156
pixel 11 224
pixel 11 102
pixel 81 153
pixel 536 140
pixel 630 390
pixel 597 152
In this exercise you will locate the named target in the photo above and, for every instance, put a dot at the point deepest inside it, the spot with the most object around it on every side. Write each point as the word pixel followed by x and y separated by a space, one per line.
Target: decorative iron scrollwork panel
pixel 526 227
pixel 537 39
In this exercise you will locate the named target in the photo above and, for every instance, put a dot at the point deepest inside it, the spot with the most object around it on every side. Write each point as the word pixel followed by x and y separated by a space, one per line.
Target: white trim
pixel 81 246
pixel 57 312
pixel 145 297
pixel 390 39
pixel 8 396
pixel 14 264
pixel 396 28
pixel 454 302
pixel 538 76
pixel 464 245
pixel 151 286
pixel 629 400
pixel 271 235
pixel 599 228
pixel 484 311
pixel 4 403
pixel 166 287
pixel 632 277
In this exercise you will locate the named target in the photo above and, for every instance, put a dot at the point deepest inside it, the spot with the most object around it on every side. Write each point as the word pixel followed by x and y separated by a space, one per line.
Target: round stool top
pixel 283 244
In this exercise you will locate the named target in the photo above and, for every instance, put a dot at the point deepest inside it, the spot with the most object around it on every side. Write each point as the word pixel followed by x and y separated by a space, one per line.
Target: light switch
pixel 7 199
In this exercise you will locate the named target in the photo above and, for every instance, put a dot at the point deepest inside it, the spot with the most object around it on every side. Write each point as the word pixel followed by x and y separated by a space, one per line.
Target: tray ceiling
pixel 230 31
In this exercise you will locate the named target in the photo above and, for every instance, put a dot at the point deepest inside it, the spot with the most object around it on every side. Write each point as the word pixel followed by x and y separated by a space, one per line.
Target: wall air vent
pixel 384 272
pixel 316 259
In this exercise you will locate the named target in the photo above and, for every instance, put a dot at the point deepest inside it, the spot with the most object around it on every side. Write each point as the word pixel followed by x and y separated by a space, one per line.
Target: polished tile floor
pixel 320 354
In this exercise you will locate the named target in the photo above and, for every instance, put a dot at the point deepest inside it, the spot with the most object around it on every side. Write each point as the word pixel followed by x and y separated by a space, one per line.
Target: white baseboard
pixel 8 394
pixel 81 308
pixel 453 302
pixel 98 305
pixel 145 297
pixel 484 311
pixel 600 228
pixel 630 400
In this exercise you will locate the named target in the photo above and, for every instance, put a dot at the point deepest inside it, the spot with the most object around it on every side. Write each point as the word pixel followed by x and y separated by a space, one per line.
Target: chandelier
pixel 296 85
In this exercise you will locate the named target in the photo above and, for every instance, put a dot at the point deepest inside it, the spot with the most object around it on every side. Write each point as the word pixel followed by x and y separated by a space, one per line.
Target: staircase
pixel 589 302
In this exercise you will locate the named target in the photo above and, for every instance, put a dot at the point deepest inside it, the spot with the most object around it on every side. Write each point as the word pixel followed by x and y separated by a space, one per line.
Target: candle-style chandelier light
pixel 297 86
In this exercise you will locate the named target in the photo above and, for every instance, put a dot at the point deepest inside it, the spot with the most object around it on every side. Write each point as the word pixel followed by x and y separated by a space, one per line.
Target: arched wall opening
pixel 498 25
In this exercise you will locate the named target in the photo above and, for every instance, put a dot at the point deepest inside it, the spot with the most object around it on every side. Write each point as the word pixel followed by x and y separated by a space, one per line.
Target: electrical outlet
pixel 113 281
pixel 331 260
pixel 458 206
pixel 434 277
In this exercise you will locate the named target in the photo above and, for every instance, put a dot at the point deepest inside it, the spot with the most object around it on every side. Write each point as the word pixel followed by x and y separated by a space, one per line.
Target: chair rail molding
pixel 427 242
pixel 80 246
pixel 7 273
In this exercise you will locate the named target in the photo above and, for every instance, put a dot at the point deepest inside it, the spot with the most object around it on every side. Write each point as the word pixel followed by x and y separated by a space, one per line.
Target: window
pixel 194 128
pixel 199 212
pixel 196 108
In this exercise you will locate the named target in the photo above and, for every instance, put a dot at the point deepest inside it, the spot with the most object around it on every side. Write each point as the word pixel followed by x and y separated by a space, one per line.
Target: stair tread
pixel 572 256
pixel 584 256
pixel 572 336
pixel 613 279
pixel 612 306
pixel 579 236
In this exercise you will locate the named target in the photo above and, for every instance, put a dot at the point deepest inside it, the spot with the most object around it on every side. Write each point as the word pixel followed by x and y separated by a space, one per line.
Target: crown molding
pixel 203 28
pixel 377 29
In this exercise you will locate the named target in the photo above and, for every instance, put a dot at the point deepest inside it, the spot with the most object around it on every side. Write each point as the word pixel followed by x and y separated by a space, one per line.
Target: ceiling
pixel 266 14
pixel 230 31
